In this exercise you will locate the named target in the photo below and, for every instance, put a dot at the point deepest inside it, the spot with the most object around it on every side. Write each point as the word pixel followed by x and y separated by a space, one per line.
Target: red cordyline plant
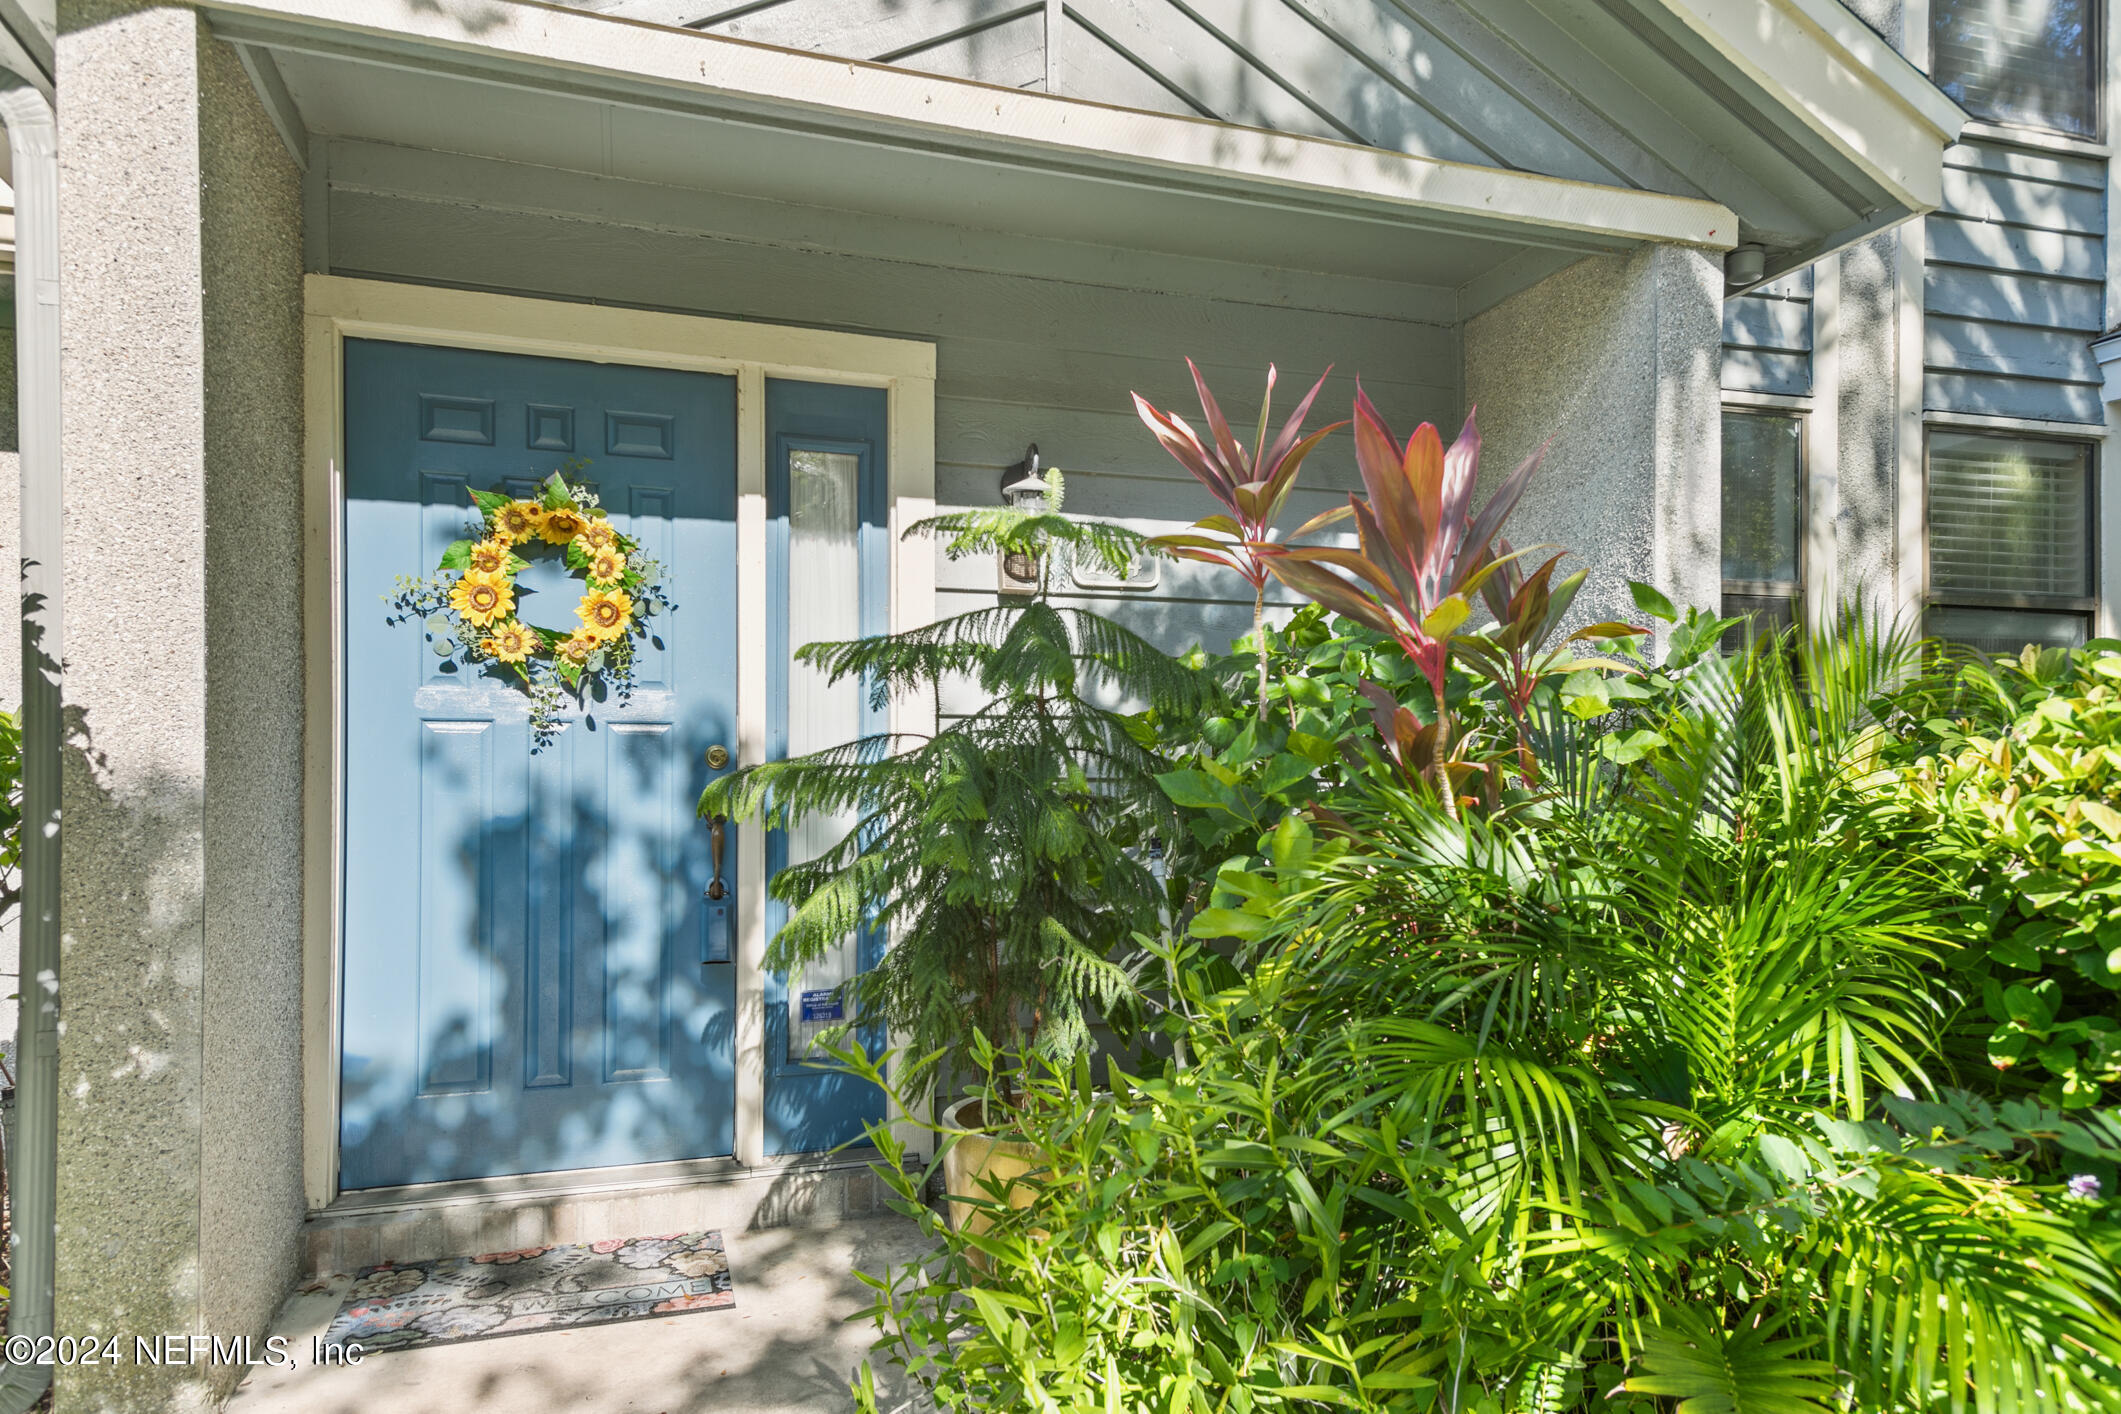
pixel 1513 654
pixel 1253 487
pixel 1424 553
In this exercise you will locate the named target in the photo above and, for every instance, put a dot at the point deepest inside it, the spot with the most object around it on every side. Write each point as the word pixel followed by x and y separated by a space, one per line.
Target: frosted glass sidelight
pixel 824 604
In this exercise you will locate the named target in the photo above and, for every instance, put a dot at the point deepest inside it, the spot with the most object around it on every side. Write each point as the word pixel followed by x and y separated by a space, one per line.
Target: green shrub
pixel 1003 853
pixel 1591 1101
pixel 2011 772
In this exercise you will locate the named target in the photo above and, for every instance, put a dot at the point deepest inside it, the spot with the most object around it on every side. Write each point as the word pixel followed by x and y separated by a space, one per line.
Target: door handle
pixel 718 937
pixel 717 834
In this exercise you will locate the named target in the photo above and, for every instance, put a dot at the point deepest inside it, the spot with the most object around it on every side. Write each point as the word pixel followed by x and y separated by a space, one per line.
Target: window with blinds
pixel 1763 520
pixel 2010 540
pixel 2030 63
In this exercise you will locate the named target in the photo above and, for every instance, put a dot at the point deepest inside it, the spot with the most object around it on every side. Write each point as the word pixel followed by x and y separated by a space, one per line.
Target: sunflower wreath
pixel 469 605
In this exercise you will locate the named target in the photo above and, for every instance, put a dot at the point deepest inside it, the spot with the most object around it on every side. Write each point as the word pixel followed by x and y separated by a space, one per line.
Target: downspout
pixel 33 1157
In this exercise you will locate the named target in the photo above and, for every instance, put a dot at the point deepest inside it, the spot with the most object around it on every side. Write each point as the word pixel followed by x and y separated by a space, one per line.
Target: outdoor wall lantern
pixel 1023 489
pixel 1022 486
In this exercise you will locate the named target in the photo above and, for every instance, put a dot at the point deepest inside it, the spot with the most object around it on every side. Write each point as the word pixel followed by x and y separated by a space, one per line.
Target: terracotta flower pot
pixel 975 1156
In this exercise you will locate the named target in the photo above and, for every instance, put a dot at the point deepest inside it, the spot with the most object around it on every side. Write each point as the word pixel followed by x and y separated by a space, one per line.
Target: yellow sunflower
pixel 482 598
pixel 491 556
pixel 562 525
pixel 510 642
pixel 607 566
pixel 604 613
pixel 577 648
pixel 598 535
pixel 516 522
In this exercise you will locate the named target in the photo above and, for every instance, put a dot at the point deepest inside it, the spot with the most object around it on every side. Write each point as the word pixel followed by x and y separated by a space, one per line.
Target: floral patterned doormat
pixel 399 1305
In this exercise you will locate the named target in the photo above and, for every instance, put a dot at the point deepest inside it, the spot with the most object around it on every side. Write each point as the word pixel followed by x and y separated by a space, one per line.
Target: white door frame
pixel 336 309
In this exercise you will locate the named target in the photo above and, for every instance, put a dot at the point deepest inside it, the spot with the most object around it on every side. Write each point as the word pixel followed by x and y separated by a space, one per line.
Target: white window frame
pixel 336 309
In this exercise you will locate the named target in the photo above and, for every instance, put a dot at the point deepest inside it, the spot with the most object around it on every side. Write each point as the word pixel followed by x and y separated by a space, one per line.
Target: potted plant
pixel 1003 855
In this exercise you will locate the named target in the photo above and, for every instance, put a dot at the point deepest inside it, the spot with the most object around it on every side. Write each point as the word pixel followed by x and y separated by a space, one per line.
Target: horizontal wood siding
pixel 1020 358
pixel 2014 288
pixel 1767 337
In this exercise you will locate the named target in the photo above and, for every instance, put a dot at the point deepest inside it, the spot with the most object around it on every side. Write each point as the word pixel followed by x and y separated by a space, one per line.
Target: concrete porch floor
pixel 785 1346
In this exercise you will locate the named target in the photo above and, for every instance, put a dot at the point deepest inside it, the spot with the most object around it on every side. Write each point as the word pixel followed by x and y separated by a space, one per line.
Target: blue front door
pixel 524 935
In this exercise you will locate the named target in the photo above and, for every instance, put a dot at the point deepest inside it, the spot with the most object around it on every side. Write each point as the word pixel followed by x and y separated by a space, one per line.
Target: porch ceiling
pixel 561 89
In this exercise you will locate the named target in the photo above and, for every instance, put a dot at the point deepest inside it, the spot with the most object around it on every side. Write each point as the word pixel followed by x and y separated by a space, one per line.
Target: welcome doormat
pixel 404 1304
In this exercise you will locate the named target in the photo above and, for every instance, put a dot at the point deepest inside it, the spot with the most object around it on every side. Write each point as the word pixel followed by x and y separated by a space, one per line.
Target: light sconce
pixel 1023 489
pixel 1022 486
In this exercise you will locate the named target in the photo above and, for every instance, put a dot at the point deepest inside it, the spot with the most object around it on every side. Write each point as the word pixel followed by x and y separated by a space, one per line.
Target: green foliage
pixel 1003 855
pixel 2012 770
pixel 1624 1095
pixel 10 811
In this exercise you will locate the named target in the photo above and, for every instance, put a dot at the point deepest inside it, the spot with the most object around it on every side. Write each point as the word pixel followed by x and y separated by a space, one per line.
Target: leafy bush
pixel 1002 854
pixel 2012 771
pixel 1588 1102
pixel 1545 1033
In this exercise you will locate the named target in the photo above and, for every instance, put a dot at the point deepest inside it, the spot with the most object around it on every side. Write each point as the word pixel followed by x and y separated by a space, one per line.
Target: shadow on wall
pixel 127 1248
pixel 1867 522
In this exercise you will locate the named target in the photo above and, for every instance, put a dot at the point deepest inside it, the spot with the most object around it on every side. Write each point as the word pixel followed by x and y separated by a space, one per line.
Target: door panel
pixel 523 988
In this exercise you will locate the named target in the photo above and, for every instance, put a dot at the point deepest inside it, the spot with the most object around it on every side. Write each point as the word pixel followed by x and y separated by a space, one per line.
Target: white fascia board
pixel 1848 85
pixel 2106 349
pixel 1003 124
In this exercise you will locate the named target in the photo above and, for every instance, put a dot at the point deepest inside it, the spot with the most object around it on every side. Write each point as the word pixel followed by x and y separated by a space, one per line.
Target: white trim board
pixel 336 309
pixel 1853 90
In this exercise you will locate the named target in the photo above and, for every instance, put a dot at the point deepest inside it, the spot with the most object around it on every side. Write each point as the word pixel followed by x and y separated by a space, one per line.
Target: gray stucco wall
pixel 251 1199
pixel 178 1183
pixel 1616 358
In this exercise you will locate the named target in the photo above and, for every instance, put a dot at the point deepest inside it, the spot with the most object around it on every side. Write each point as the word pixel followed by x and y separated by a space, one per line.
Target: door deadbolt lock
pixel 717 757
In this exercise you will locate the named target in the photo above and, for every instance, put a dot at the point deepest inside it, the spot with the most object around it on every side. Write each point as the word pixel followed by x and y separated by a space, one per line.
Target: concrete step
pixel 470 1217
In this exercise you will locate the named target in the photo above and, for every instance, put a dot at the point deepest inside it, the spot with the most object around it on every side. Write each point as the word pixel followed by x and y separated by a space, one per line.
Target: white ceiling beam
pixel 280 107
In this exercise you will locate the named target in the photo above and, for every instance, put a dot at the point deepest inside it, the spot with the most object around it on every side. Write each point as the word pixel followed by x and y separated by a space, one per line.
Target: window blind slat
pixel 2009 515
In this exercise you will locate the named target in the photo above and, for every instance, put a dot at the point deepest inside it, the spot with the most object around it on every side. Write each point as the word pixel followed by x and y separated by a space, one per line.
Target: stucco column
pixel 180 232
pixel 1615 359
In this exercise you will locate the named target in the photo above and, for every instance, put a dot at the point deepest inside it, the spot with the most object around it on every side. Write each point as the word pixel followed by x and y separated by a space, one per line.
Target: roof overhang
pixel 684 108
pixel 1848 86
pixel 1825 77
pixel 697 110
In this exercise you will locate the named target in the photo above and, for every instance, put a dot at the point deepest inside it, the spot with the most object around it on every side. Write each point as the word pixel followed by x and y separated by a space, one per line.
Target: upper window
pixel 2029 63
pixel 1763 499
pixel 2010 541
